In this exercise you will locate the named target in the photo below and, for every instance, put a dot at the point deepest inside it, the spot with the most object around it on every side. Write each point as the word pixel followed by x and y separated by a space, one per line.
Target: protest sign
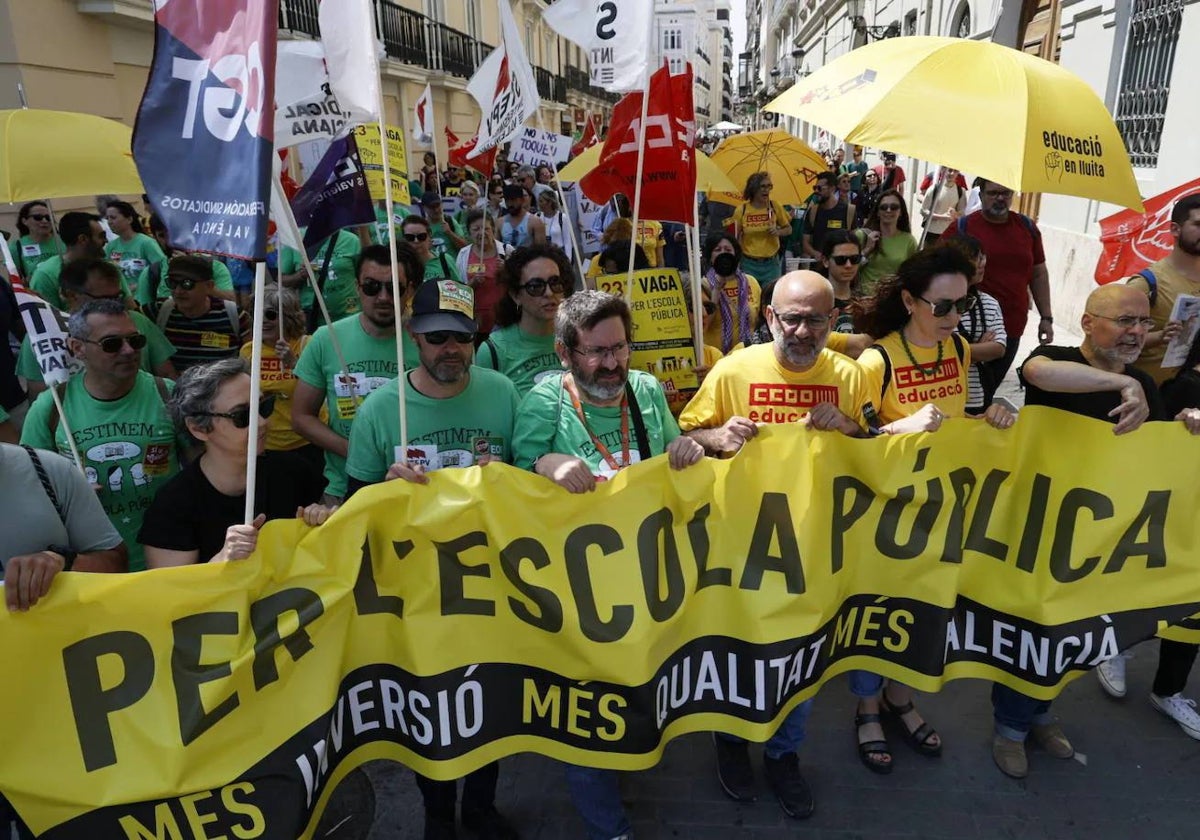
pixel 443 627
pixel 47 331
pixel 534 147
pixel 662 332
pixel 370 152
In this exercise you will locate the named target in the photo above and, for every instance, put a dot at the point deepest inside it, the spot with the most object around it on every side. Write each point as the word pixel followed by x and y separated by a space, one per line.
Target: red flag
pixel 667 187
pixel 1134 240
pixel 588 138
pixel 459 149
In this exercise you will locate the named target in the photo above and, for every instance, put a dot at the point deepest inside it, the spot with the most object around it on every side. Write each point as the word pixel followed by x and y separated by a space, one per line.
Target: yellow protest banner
pixel 490 613
pixel 370 152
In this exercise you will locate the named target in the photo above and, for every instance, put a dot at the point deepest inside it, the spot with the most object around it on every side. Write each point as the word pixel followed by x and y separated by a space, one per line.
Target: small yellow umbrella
pixel 708 175
pixel 792 164
pixel 977 106
pixel 52 154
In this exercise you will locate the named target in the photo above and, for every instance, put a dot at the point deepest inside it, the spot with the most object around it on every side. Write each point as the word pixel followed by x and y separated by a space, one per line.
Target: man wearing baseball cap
pixel 444 233
pixel 458 416
pixel 520 227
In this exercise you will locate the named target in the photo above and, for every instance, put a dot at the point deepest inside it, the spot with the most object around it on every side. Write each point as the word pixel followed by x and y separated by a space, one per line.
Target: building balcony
pixel 140 12
pixel 578 80
pixel 550 87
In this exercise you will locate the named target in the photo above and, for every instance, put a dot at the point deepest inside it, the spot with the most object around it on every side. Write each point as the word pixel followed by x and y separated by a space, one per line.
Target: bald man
pixel 1098 380
pixel 794 379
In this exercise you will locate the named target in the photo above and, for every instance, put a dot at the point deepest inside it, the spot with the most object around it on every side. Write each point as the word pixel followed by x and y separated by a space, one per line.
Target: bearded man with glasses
pixel 117 415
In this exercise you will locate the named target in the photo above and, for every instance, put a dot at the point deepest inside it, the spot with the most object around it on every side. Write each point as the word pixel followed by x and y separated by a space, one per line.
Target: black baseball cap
pixel 443 305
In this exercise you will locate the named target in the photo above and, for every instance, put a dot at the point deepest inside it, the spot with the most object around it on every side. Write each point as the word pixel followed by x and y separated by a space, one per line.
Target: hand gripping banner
pixel 490 613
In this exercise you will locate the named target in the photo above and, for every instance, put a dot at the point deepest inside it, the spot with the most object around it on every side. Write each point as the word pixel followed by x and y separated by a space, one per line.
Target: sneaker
pixel 1050 737
pixel 733 769
pixel 489 824
pixel 1111 674
pixel 1181 710
pixel 788 785
pixel 439 829
pixel 1010 757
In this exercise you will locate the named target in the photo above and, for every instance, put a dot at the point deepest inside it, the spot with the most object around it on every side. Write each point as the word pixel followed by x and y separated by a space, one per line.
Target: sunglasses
pixel 372 288
pixel 415 237
pixel 440 337
pixel 112 344
pixel 240 416
pixel 846 259
pixel 941 308
pixel 537 286
pixel 889 208
pixel 38 217
pixel 176 282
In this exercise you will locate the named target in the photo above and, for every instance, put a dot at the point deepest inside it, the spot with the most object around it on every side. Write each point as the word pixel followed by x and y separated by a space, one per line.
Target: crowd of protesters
pixel 512 355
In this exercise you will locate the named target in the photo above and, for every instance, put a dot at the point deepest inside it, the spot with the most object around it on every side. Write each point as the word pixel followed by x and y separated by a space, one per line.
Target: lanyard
pixel 569 385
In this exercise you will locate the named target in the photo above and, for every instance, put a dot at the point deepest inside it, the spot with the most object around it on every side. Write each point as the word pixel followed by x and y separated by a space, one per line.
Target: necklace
pixel 924 371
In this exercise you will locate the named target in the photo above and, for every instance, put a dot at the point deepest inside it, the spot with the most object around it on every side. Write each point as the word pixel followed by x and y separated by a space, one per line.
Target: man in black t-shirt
pixel 831 213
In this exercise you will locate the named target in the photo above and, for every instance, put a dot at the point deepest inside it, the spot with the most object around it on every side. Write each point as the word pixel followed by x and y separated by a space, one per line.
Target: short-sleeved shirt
pixel 1094 404
pixel 752 224
pixel 1013 247
pixel 210 337
pixel 150 293
pixel 128 447
pixel 547 422
pixel 32 523
pixel 45 285
pixel 28 253
pixel 339 281
pixel 134 257
pixel 712 335
pixel 820 221
pixel 1169 284
pixel 650 236
pixel 856 171
pixel 752 384
pixel 189 514
pixel 371 361
pixel 442 433
pixel 156 352
pixel 280 382
pixel 525 359
pixel 885 260
pixel 911 386
pixel 441 267
pixel 983 316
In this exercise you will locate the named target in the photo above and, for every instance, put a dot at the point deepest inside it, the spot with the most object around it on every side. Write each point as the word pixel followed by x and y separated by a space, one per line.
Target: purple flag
pixel 335 196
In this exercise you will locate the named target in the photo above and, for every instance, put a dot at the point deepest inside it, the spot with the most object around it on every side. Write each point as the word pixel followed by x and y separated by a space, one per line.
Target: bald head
pixel 1118 299
pixel 798 316
pixel 1115 324
pixel 802 288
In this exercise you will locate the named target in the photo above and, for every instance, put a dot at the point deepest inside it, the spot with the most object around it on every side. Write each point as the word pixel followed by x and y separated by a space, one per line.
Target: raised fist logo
pixel 1053 166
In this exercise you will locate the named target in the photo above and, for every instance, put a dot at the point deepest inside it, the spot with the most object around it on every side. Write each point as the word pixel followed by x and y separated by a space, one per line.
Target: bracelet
pixel 1048 318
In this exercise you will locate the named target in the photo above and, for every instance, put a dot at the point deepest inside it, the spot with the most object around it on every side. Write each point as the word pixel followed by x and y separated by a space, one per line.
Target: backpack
pixel 231 312
pixel 887 362
pixel 1151 281
pixel 47 485
pixel 961 226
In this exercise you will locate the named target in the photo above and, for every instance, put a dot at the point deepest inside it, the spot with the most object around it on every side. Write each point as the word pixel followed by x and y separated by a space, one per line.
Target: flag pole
pixel 562 204
pixel 693 232
pixel 260 282
pixel 62 416
pixel 637 184
pixel 397 300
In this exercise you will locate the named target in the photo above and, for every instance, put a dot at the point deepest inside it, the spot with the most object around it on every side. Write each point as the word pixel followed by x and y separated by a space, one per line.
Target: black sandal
pixel 869 751
pixel 918 739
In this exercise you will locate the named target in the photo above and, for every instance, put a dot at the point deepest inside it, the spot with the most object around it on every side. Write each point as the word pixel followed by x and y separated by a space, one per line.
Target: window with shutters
pixel 1146 77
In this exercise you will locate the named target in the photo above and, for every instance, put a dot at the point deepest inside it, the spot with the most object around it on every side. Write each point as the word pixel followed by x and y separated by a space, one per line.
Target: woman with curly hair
pixel 761 225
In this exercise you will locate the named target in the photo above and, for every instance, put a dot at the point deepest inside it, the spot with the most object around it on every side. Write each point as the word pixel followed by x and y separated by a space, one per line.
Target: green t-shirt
pixel 340 286
pixel 884 260
pixel 44 283
pixel 157 351
pixel 440 242
pixel 134 257
pixel 379 233
pixel 128 447
pixel 856 171
pixel 222 281
pixel 547 422
pixel 372 363
pixel 442 267
pixel 441 433
pixel 523 358
pixel 28 254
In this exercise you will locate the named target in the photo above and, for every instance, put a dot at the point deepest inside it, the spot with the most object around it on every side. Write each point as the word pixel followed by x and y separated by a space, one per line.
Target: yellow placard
pixel 370 153
pixel 662 330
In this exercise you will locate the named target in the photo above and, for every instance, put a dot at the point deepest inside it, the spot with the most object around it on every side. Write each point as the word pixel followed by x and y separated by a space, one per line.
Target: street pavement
pixel 1134 775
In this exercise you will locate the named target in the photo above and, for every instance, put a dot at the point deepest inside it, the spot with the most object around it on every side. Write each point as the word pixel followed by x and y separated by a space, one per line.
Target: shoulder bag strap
pixel 639 423
pixel 44 478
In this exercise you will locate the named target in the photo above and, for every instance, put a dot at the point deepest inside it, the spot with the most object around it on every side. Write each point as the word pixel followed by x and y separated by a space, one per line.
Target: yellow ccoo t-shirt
pixel 910 386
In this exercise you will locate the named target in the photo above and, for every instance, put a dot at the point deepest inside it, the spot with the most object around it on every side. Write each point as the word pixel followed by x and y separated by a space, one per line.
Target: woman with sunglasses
pixel 284 338
pixel 760 226
pixel 536 280
pixel 868 196
pixel 133 251
pixel 889 241
pixel 917 376
pixel 37 241
pixel 197 516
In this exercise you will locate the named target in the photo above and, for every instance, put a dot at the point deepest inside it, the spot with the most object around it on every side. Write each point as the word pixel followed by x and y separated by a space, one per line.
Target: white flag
pixel 304 108
pixel 504 87
pixel 594 24
pixel 423 117
pixel 351 57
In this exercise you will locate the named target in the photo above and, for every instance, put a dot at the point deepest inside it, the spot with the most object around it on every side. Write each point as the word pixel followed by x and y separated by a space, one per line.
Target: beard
pixel 799 352
pixel 446 370
pixel 602 384
pixel 1189 247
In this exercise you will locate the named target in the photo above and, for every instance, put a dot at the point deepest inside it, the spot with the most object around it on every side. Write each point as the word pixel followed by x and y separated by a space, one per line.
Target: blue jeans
pixel 596 795
pixel 865 684
pixel 788 737
pixel 1015 712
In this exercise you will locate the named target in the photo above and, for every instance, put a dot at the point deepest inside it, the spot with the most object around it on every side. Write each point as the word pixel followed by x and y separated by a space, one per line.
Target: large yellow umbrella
pixel 977 106
pixel 792 164
pixel 51 154
pixel 708 175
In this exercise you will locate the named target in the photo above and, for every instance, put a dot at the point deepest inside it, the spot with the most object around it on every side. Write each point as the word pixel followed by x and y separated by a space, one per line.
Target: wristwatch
pixel 69 554
pixel 1048 318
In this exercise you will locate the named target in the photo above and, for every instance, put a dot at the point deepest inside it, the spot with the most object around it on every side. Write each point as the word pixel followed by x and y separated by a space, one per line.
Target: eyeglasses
pixel 619 352
pixel 38 217
pixel 115 296
pixel 536 286
pixel 793 320
pixel 440 337
pixel 174 281
pixel 372 288
pixel 415 237
pixel 240 416
pixel 1128 322
pixel 112 343
pixel 998 193
pixel 941 308
pixel 846 259
pixel 270 314
pixel 889 208
pixel 766 186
